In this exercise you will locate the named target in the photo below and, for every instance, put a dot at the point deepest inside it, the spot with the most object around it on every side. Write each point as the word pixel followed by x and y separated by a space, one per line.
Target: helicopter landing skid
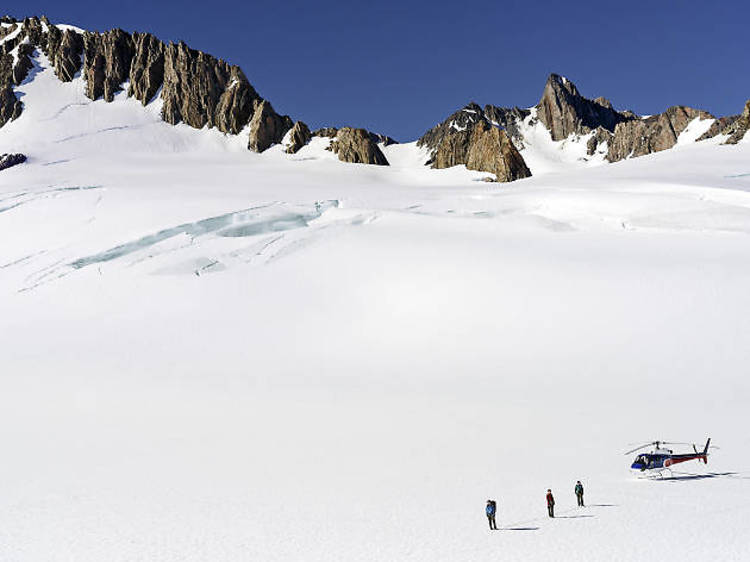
pixel 658 474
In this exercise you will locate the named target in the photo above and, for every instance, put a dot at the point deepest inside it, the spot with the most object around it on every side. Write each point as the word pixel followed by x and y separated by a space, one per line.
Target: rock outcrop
pixel 739 127
pixel 357 146
pixel 491 150
pixel 23 63
pixel 106 63
pixel 638 137
pixel 195 91
pixel 717 127
pixel 8 160
pixel 202 91
pixel 64 49
pixel 146 67
pixel 299 136
pixel 267 127
pixel 196 88
pixel 10 105
pixel 564 111
pixel 7 30
pixel 475 138
pixel 329 132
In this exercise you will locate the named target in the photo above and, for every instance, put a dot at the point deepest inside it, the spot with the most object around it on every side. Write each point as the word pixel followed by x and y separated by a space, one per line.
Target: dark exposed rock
pixel 11 43
pixel 385 140
pixel 10 106
pixel 718 126
pixel 506 118
pixel 8 160
pixel 146 67
pixel 237 103
pixel 564 111
pixel 329 132
pixel 509 119
pixel 8 19
pixel 64 49
pixel 197 88
pixel 5 31
pixel 106 63
pixel 195 91
pixel 491 150
pixel 267 127
pixel 595 143
pixel 652 134
pixel 738 129
pixel 357 146
pixel 35 31
pixel 299 136
pixel 23 63
pixel 476 138
pixel 377 138
pixel 461 120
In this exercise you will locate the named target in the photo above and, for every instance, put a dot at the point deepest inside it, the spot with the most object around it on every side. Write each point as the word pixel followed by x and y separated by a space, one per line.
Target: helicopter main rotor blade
pixel 638 448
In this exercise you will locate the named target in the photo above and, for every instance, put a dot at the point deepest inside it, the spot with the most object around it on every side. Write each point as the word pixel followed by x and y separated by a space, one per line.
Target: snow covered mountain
pixel 196 89
pixel 215 353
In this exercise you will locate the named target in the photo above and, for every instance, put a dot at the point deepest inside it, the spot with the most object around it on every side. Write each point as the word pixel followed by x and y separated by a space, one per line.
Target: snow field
pixel 212 354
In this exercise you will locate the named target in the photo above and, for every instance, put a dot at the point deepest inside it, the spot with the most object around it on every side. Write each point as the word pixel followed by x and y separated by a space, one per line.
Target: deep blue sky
pixel 400 67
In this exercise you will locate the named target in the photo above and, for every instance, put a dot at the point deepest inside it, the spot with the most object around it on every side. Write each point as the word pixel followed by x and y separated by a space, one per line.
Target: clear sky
pixel 400 67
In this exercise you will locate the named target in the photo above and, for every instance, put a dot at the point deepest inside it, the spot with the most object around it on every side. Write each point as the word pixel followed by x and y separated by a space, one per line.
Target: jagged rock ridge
pixel 738 128
pixel 566 114
pixel 478 139
pixel 196 88
pixel 202 91
pixel 564 111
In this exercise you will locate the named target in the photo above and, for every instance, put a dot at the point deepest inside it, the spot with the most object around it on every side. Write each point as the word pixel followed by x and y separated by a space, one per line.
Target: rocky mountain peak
pixel 564 111
pixel 478 138
pixel 739 127
pixel 558 82
pixel 196 88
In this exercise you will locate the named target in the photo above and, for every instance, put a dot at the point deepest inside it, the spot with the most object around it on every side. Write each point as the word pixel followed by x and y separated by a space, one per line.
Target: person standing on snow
pixel 550 503
pixel 579 493
pixel 490 510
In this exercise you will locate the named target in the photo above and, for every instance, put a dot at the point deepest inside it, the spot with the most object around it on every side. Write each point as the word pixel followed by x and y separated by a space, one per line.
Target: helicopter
pixel 661 458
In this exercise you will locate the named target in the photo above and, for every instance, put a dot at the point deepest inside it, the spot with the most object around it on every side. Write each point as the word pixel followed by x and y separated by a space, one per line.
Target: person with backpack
pixel 579 493
pixel 491 510
pixel 550 503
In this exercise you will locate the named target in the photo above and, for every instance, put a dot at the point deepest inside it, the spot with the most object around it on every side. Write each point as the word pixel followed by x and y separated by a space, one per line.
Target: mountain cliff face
pixel 478 139
pixel 564 111
pixel 196 88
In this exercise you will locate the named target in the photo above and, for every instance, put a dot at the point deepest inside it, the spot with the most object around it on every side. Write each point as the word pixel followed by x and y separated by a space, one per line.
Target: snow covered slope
pixel 211 354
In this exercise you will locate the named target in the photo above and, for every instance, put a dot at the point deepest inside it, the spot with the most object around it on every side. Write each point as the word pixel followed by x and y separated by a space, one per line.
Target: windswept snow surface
pixel 209 354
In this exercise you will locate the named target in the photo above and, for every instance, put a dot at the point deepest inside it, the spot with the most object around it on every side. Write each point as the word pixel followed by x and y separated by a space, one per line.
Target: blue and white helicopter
pixel 661 459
